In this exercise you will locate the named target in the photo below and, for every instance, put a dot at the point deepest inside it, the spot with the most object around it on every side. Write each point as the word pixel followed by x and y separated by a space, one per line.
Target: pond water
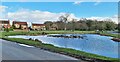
pixel 113 32
pixel 92 43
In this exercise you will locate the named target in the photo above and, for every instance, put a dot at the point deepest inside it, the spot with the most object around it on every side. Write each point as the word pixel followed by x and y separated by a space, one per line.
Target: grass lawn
pixel 109 34
pixel 40 32
pixel 2 34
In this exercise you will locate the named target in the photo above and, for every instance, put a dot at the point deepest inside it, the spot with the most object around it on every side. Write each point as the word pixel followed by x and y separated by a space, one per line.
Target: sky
pixel 39 12
pixel 58 0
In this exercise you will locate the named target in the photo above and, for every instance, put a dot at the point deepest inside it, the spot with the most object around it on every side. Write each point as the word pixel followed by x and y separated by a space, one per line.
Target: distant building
pixel 4 24
pixel 38 26
pixel 53 27
pixel 20 25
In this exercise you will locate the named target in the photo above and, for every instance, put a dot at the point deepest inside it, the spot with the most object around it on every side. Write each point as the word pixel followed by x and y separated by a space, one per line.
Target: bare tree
pixel 64 18
pixel 73 23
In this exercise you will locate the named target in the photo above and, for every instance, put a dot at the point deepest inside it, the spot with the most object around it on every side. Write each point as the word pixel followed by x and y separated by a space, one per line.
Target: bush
pixel 8 29
pixel 30 39
pixel 43 33
pixel 11 29
pixel 36 40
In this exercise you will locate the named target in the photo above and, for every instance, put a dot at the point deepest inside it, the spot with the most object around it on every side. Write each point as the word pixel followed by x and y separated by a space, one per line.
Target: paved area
pixel 15 51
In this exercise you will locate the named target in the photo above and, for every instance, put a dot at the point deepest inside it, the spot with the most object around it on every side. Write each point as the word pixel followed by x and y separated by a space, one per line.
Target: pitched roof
pixel 18 22
pixel 4 21
pixel 38 24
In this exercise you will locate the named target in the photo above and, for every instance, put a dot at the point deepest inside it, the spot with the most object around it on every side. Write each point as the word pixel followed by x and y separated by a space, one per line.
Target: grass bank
pixel 66 51
pixel 110 34
pixel 3 34
pixel 56 32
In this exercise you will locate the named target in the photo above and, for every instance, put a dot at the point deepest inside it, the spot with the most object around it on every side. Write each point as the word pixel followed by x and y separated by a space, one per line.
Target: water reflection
pixel 92 43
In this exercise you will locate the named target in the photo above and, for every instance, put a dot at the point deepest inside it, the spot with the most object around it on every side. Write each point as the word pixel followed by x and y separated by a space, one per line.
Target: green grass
pixel 109 34
pixel 54 32
pixel 40 32
pixel 65 50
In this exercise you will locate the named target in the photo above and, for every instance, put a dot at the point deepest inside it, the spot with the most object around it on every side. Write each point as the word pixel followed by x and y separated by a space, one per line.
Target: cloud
pixel 3 8
pixel 97 2
pixel 35 16
pixel 77 2
pixel 2 11
pixel 114 18
pixel 23 0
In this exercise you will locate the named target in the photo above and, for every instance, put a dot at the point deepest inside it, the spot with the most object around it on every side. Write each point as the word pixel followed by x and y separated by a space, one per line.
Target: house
pixel 20 25
pixel 53 27
pixel 38 26
pixel 4 24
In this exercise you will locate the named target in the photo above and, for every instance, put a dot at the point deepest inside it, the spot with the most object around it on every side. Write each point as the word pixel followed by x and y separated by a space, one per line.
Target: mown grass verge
pixel 108 34
pixel 40 32
pixel 3 34
pixel 65 51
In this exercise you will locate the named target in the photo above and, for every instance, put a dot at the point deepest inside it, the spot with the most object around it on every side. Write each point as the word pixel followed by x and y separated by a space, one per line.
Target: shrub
pixel 36 40
pixel 43 33
pixel 30 39
pixel 8 29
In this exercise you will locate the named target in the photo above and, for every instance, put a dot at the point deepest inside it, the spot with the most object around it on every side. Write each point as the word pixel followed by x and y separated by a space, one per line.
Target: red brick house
pixel 4 24
pixel 38 26
pixel 20 25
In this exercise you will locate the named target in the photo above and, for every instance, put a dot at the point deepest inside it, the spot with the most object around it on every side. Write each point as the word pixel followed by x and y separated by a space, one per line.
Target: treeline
pixel 64 23
pixel 84 24
pixel 119 27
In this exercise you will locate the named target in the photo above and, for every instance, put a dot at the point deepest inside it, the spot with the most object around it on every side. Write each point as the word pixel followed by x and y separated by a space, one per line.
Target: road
pixel 15 51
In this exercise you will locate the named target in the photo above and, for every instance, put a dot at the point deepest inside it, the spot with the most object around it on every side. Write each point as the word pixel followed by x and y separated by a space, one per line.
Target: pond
pixel 113 32
pixel 92 43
